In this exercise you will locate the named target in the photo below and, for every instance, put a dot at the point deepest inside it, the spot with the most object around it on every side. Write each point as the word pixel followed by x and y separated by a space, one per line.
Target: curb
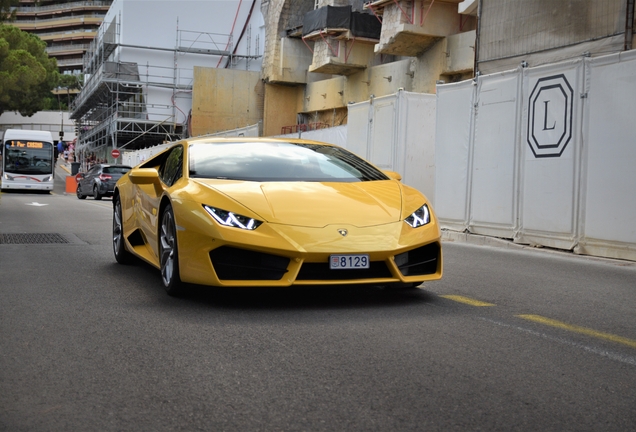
pixel 480 240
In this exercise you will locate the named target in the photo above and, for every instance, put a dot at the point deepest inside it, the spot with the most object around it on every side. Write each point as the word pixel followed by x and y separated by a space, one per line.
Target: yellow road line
pixel 582 330
pixel 467 300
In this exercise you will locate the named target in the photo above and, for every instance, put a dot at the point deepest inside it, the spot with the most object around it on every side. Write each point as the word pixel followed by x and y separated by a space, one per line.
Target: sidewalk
pixel 63 171
pixel 66 166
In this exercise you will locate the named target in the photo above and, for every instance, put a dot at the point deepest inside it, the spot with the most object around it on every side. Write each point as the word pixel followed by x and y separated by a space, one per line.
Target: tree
pixel 66 88
pixel 6 14
pixel 27 74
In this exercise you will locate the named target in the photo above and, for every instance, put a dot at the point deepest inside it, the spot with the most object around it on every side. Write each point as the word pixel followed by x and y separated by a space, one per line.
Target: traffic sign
pixel 115 153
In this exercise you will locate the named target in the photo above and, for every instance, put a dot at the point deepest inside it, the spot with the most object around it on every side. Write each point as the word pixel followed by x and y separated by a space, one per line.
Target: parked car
pixel 272 212
pixel 99 181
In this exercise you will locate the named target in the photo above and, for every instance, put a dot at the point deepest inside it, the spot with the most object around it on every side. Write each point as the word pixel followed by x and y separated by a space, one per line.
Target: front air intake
pixel 421 261
pixel 239 264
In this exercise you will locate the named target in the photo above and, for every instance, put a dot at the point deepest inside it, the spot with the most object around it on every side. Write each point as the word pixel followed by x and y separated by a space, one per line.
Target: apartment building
pixel 66 26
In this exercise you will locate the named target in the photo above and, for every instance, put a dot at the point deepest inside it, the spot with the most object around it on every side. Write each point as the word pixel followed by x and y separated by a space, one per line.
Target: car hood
pixel 314 204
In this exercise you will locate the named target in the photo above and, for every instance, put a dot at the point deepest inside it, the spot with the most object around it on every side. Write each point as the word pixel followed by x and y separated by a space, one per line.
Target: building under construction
pixel 139 79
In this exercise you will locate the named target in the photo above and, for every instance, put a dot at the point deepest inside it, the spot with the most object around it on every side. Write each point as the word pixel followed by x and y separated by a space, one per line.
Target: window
pixel 172 168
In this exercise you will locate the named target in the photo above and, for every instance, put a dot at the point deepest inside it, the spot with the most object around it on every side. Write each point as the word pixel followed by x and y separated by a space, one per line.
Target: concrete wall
pixel 460 52
pixel 542 32
pixel 52 121
pixel 295 60
pixel 282 103
pixel 409 29
pixel 279 16
pixel 324 95
pixel 224 99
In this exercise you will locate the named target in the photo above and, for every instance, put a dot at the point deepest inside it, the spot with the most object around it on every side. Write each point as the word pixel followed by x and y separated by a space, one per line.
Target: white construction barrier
pixel 542 156
pixel 334 135
pixel 608 216
pixel 397 133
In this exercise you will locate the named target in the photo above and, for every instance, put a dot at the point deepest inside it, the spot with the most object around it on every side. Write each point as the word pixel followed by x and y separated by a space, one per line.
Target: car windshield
pixel 278 161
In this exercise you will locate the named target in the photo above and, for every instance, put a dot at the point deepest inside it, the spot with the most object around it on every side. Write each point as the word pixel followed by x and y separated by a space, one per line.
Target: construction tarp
pixel 342 18
pixel 365 25
pixel 334 17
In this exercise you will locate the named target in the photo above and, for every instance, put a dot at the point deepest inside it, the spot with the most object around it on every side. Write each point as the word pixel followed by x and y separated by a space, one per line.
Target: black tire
pixel 79 194
pixel 169 254
pixel 119 245
pixel 96 194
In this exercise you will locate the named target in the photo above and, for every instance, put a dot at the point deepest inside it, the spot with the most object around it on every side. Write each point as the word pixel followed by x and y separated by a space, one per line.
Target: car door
pixel 86 181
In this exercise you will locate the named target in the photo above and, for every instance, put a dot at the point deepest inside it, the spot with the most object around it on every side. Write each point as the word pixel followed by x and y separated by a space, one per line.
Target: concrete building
pixel 322 55
pixel 66 26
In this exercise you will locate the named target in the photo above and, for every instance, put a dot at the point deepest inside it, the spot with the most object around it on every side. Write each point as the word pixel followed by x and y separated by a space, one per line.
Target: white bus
pixel 27 160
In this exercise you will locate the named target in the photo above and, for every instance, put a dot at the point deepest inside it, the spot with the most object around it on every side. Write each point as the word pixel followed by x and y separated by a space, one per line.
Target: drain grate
pixel 26 238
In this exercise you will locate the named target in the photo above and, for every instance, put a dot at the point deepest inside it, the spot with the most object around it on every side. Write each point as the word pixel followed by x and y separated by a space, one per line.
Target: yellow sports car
pixel 273 213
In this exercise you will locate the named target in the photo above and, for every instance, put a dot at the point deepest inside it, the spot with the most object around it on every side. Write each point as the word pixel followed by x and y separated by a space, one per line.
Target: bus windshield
pixel 28 157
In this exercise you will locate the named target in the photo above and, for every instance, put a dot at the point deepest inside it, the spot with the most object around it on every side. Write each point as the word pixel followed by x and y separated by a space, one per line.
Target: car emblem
pixel 343 232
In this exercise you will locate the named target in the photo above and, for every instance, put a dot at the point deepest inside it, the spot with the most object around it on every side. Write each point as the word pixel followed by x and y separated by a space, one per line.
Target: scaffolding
pixel 134 105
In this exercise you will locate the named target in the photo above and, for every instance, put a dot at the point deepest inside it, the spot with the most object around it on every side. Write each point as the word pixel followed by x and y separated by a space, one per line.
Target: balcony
pixel 410 28
pixel 59 22
pixel 342 40
pixel 64 7
pixel 67 49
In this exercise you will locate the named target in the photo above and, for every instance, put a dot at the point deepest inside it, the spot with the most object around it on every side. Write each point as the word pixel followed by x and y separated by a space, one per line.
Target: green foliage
pixel 71 82
pixel 27 74
pixel 6 14
pixel 52 103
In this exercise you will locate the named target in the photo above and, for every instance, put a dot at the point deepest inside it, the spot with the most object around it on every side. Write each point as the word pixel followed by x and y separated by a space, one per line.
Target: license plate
pixel 347 262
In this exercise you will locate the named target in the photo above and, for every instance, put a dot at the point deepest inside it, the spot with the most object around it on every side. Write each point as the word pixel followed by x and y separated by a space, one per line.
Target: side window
pixel 172 168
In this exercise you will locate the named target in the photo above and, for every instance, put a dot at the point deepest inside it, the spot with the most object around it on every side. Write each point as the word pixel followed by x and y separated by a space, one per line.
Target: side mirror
pixel 79 176
pixel 146 176
pixel 393 175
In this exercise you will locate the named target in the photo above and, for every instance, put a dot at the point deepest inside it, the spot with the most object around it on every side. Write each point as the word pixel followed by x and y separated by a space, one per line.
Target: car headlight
pixel 229 219
pixel 420 217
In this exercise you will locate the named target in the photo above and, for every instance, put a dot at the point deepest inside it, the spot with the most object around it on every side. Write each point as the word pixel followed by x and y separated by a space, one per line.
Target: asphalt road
pixel 508 340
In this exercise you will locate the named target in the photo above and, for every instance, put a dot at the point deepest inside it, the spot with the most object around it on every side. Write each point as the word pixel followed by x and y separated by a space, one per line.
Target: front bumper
pixel 274 257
